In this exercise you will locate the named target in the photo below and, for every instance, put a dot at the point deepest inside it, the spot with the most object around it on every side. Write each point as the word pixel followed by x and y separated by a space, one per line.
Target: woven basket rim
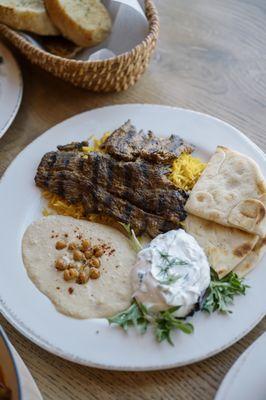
pixel 154 25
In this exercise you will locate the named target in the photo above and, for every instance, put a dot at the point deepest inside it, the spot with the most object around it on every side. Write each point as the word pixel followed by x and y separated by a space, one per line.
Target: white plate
pixel 246 378
pixel 93 342
pixel 11 88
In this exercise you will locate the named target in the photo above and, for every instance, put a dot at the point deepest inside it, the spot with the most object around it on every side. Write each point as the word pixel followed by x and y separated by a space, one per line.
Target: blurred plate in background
pixel 246 379
pixel 11 88
pixel 8 367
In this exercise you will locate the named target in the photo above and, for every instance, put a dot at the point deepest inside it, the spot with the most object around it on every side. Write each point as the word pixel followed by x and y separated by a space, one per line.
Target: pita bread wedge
pixel 225 247
pixel 252 259
pixel 232 192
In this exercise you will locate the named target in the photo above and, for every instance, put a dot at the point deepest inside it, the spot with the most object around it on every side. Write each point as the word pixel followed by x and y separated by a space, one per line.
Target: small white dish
pixel 93 342
pixel 11 88
pixel 8 367
pixel 246 379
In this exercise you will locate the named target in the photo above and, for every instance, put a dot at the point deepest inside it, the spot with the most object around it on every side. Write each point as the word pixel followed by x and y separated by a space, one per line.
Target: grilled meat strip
pixel 73 146
pixel 137 182
pixel 103 202
pixel 125 143
pixel 138 193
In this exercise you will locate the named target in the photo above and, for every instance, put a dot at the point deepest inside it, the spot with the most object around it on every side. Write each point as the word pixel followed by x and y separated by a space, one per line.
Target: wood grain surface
pixel 211 58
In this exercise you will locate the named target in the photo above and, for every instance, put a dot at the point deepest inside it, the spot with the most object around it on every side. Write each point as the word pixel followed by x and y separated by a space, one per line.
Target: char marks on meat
pixel 73 146
pixel 127 144
pixel 132 190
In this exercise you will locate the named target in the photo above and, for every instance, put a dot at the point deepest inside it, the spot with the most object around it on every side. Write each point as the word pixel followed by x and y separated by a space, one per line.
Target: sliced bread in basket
pixel 85 22
pixel 27 15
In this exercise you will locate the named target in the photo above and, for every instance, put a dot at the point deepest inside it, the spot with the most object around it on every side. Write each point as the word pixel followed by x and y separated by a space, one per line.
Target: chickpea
pixel 82 278
pixel 94 273
pixel 88 254
pixel 72 246
pixel 72 265
pixel 94 262
pixel 78 255
pixel 85 245
pixel 70 274
pixel 60 245
pixel 86 270
pixel 98 251
pixel 60 264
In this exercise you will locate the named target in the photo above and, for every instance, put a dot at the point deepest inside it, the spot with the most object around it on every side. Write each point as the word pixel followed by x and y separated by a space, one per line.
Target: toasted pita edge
pixel 252 259
pixel 225 247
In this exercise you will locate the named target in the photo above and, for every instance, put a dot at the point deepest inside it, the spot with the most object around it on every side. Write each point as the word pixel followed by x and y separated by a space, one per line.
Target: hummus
pixel 100 298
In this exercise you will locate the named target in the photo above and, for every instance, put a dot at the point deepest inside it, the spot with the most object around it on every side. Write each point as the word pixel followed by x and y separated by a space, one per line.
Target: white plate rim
pixel 27 332
pixel 17 104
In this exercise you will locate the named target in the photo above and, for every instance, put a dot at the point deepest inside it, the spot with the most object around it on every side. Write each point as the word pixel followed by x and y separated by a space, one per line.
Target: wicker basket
pixel 115 74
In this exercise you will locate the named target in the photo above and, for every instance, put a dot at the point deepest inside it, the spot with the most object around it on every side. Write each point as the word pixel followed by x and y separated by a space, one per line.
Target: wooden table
pixel 212 58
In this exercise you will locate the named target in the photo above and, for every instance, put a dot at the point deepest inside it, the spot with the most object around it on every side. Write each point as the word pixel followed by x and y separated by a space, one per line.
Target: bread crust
pixel 73 29
pixel 60 46
pixel 27 20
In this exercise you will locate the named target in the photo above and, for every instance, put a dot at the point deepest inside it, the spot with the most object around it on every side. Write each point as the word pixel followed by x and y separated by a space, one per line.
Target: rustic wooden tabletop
pixel 211 57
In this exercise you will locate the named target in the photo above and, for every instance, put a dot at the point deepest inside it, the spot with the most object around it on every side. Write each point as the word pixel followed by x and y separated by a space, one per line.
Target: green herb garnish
pixel 163 322
pixel 169 262
pixel 135 315
pixel 221 292
pixel 132 236
pixel 169 280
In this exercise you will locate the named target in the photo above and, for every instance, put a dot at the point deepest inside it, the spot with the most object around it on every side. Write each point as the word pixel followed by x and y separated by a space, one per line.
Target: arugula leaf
pixel 221 292
pixel 163 322
pixel 133 316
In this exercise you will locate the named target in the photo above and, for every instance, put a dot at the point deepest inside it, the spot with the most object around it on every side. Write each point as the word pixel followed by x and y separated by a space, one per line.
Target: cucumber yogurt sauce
pixel 172 270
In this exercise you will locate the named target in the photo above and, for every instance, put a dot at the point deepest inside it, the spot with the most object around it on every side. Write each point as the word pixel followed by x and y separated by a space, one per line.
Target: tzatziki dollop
pixel 172 270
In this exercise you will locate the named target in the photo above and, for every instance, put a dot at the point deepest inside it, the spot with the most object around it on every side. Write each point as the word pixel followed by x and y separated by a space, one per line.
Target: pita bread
pixel 252 259
pixel 232 192
pixel 225 247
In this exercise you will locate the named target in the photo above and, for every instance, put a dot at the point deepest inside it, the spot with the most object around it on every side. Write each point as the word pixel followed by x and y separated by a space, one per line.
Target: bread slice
pixel 85 22
pixel 60 46
pixel 27 15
